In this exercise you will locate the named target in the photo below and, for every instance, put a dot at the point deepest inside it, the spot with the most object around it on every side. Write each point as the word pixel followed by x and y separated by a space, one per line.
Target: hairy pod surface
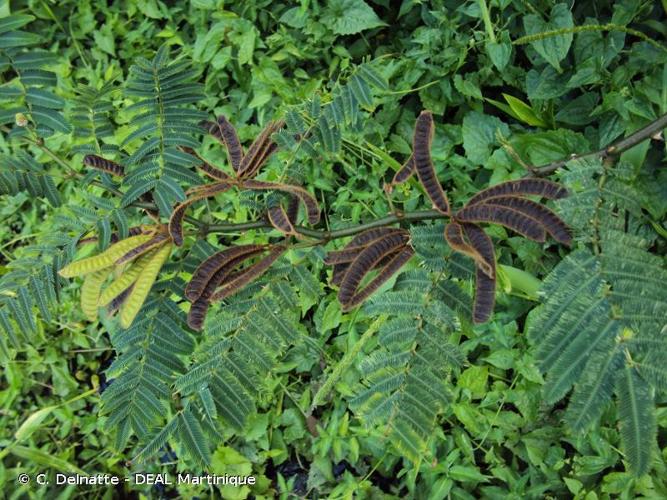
pixel 365 262
pixel 485 297
pixel 280 220
pixel 421 151
pixel 142 286
pixel 308 200
pixel 521 187
pixel 108 166
pixel 209 267
pixel 259 151
pixel 505 216
pixel 90 292
pixel 105 259
pixel 240 280
pixel 553 224
pixel 483 245
pixel 395 262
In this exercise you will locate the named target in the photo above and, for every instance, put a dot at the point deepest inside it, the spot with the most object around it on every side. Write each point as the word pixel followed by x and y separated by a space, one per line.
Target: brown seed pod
pixel 521 187
pixel 421 151
pixel 176 219
pixel 108 166
pixel 553 224
pixel 357 244
pixel 396 261
pixel 456 239
pixel 258 152
pixel 508 217
pixel 236 282
pixel 485 297
pixel 197 314
pixel 483 245
pixel 281 221
pixel 312 209
pixel 225 133
pixel 211 171
pixel 365 261
pixel 206 271
pixel 119 300
pixel 293 209
pixel 405 172
pixel 151 244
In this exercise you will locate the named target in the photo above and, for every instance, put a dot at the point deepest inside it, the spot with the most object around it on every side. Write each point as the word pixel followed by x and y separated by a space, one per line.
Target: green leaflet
pixel 143 285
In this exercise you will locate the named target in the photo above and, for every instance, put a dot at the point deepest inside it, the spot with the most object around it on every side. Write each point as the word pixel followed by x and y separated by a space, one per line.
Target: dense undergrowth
pixel 155 148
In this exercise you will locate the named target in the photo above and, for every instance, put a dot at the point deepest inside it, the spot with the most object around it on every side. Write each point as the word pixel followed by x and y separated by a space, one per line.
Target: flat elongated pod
pixel 142 286
pixel 366 261
pixel 261 148
pixel 204 166
pixel 505 216
pixel 485 297
pixel 342 256
pixel 125 279
pixel 133 231
pixel 521 187
pixel 108 166
pixel 199 308
pixel 279 219
pixel 292 209
pixel 481 242
pixel 362 239
pixel 551 222
pixel 176 219
pixel 338 274
pixel 197 314
pixel 207 269
pixel 340 269
pixel 391 267
pixel 456 239
pixel 225 133
pixel 105 259
pixel 421 152
pixel 404 173
pixel 358 243
pixel 119 300
pixel 90 292
pixel 238 281
pixel 154 242
pixel 308 200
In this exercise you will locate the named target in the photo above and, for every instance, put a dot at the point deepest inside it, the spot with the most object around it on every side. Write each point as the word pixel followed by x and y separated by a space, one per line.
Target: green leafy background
pixel 323 403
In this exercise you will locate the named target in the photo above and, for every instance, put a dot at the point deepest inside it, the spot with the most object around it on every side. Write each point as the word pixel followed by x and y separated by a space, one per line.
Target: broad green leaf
pixel 347 17
pixel 552 48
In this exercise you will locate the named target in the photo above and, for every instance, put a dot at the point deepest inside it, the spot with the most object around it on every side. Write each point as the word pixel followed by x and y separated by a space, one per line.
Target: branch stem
pixel 614 149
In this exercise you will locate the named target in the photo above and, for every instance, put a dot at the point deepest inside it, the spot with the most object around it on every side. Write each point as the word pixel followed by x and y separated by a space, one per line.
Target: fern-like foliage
pixel 32 287
pixel 316 128
pixel 601 327
pixel 163 90
pixel 404 379
pixel 29 107
pixel 149 358
pixel 167 392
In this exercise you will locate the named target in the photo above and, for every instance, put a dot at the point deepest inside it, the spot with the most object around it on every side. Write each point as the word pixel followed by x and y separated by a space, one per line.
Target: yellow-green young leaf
pixel 142 286
pixel 90 292
pixel 125 279
pixel 32 423
pixel 524 112
pixel 105 259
